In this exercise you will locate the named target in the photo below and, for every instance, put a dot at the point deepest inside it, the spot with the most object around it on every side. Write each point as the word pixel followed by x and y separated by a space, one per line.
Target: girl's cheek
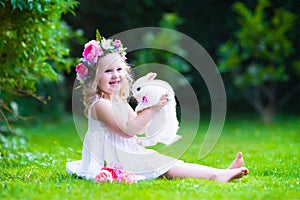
pixel 104 76
pixel 122 75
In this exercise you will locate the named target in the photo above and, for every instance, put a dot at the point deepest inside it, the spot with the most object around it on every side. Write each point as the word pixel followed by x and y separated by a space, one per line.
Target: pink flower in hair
pixel 117 43
pixel 81 70
pixel 92 51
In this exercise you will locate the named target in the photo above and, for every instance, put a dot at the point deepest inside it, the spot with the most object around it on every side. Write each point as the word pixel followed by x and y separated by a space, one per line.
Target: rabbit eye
pixel 138 89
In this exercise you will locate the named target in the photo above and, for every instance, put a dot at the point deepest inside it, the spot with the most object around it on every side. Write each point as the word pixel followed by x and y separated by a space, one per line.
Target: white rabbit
pixel 164 124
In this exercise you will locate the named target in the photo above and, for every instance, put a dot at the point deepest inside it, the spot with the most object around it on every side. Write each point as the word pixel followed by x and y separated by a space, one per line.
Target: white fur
pixel 164 124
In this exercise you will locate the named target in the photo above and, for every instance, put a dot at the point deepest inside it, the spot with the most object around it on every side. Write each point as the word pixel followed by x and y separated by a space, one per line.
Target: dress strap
pixel 96 99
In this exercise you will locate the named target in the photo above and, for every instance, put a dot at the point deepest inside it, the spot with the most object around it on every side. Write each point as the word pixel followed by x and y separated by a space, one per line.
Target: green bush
pixel 33 47
pixel 261 55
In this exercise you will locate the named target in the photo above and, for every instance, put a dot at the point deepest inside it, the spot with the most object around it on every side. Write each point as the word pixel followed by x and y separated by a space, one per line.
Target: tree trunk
pixel 266 109
pixel 268 114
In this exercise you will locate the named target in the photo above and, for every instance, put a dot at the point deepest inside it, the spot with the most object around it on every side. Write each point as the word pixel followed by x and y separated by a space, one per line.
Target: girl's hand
pixel 161 103
pixel 137 124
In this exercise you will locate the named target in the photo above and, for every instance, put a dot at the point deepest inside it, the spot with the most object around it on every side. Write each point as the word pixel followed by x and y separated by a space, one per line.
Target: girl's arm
pixel 134 124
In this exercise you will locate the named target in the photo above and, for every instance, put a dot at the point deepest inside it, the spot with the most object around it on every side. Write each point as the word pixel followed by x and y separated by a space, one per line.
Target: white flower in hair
pixel 106 44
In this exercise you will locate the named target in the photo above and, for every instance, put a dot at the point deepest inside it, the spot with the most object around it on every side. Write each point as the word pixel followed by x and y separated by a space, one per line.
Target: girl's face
pixel 112 77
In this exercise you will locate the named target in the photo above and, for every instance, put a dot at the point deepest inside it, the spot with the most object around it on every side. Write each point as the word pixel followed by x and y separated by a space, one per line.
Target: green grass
pixel 34 168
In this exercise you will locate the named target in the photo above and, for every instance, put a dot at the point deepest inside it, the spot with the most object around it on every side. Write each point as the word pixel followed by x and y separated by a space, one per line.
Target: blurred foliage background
pixel 255 44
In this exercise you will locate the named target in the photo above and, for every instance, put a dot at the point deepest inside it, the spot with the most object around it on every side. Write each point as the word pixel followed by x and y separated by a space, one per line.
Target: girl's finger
pixel 165 96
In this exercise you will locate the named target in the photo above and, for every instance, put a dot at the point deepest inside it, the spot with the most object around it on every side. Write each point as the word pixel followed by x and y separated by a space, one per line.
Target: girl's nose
pixel 115 74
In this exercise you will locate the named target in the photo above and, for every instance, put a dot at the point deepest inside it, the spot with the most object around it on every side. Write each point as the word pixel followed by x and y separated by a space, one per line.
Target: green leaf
pixel 98 36
pixel 296 66
pixel 2 3
pixel 48 71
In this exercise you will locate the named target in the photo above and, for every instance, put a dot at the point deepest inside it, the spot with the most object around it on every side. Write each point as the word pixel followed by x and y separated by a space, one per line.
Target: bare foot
pixel 238 162
pixel 230 174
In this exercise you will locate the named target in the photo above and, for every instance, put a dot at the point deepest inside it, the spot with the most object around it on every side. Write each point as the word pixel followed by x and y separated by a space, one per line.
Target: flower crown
pixel 94 49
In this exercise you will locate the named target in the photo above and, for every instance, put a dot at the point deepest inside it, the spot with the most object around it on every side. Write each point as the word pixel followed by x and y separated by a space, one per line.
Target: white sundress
pixel 103 144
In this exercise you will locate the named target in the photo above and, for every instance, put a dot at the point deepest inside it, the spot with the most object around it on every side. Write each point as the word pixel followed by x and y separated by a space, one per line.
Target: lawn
pixel 33 167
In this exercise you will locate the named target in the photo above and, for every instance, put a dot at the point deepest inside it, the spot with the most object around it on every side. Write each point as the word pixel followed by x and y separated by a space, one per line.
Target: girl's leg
pixel 190 170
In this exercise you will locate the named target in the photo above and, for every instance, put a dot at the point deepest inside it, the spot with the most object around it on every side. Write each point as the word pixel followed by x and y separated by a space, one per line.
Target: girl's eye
pixel 119 69
pixel 138 89
pixel 106 71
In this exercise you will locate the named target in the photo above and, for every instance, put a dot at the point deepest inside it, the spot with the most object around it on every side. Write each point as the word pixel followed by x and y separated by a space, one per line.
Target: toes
pixel 239 155
pixel 245 171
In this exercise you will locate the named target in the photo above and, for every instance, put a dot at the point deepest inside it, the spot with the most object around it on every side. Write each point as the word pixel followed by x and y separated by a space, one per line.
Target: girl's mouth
pixel 114 83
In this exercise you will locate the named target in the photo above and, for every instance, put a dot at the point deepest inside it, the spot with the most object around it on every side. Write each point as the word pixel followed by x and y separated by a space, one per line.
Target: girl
pixel 112 123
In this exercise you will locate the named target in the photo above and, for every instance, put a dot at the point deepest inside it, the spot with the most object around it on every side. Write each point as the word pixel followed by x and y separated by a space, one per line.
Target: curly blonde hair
pixel 91 89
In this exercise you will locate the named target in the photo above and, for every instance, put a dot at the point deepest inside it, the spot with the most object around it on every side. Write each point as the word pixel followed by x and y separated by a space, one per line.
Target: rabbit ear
pixel 151 76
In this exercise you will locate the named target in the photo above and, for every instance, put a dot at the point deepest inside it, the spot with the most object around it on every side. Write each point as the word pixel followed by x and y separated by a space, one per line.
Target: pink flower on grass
pixel 104 176
pixel 114 173
pixel 92 51
pixel 129 178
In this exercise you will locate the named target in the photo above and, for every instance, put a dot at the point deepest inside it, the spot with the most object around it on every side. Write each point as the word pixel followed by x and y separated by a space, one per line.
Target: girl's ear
pixel 151 76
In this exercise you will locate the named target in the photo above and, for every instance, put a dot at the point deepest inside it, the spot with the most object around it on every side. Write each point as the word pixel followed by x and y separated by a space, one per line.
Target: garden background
pixel 255 45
